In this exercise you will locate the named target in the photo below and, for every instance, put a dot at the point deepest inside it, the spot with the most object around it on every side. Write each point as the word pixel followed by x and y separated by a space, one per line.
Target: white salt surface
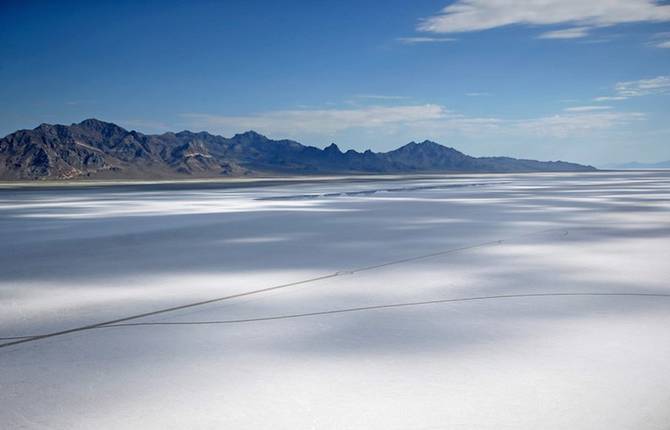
pixel 568 329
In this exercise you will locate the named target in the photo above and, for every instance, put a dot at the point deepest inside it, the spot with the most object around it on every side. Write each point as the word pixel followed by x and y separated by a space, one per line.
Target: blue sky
pixel 585 81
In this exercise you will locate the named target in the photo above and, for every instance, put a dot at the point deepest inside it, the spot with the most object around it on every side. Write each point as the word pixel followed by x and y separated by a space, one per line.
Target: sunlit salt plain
pixel 566 326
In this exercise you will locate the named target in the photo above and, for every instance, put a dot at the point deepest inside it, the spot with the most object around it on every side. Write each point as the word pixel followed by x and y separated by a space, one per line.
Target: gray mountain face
pixel 95 149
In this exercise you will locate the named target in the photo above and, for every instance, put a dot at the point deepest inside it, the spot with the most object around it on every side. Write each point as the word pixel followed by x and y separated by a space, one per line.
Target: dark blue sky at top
pixel 320 71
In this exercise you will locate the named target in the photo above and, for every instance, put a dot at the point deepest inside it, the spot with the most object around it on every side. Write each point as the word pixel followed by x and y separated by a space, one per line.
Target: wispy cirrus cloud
pixel 476 15
pixel 661 40
pixel 320 121
pixel 609 98
pixel 420 39
pixel 641 87
pixel 565 125
pixel 586 108
pixel 567 33
pixel 578 124
pixel 415 120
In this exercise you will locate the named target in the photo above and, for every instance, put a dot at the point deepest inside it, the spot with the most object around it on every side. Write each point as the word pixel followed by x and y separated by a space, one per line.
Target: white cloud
pixel 609 98
pixel 577 124
pixel 566 125
pixel 415 40
pixel 568 33
pixel 480 94
pixel 661 40
pixel 586 108
pixel 643 87
pixel 418 121
pixel 475 15
pixel 320 121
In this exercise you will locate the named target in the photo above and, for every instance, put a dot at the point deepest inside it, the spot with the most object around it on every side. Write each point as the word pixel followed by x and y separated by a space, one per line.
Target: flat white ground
pixel 584 343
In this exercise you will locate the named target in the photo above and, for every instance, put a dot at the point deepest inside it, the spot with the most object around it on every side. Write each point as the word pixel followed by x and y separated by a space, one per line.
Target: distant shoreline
pixel 262 181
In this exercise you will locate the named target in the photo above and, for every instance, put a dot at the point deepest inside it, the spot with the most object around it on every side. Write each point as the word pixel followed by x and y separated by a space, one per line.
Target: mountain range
pixel 94 149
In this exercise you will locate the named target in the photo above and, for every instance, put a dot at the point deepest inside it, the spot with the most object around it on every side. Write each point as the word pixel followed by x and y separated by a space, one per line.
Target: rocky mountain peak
pixel 332 148
pixel 250 135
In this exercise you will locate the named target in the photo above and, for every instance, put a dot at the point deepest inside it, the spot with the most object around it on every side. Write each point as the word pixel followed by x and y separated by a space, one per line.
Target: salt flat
pixel 563 323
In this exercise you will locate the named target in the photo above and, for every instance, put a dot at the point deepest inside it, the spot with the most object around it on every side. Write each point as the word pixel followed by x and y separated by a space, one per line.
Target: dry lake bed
pixel 527 301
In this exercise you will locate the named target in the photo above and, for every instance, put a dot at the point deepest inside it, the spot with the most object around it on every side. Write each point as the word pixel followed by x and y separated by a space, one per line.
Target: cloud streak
pixel 575 124
pixel 568 33
pixel 419 39
pixel 417 120
pixel 642 87
pixel 321 121
pixel 586 108
pixel 476 15
pixel 609 98
pixel 661 40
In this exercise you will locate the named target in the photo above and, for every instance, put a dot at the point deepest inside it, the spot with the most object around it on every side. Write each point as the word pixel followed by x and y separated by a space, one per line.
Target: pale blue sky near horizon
pixel 553 79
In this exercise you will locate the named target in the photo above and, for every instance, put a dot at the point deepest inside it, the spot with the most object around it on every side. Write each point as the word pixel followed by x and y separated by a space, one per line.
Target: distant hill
pixel 95 149
pixel 635 165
